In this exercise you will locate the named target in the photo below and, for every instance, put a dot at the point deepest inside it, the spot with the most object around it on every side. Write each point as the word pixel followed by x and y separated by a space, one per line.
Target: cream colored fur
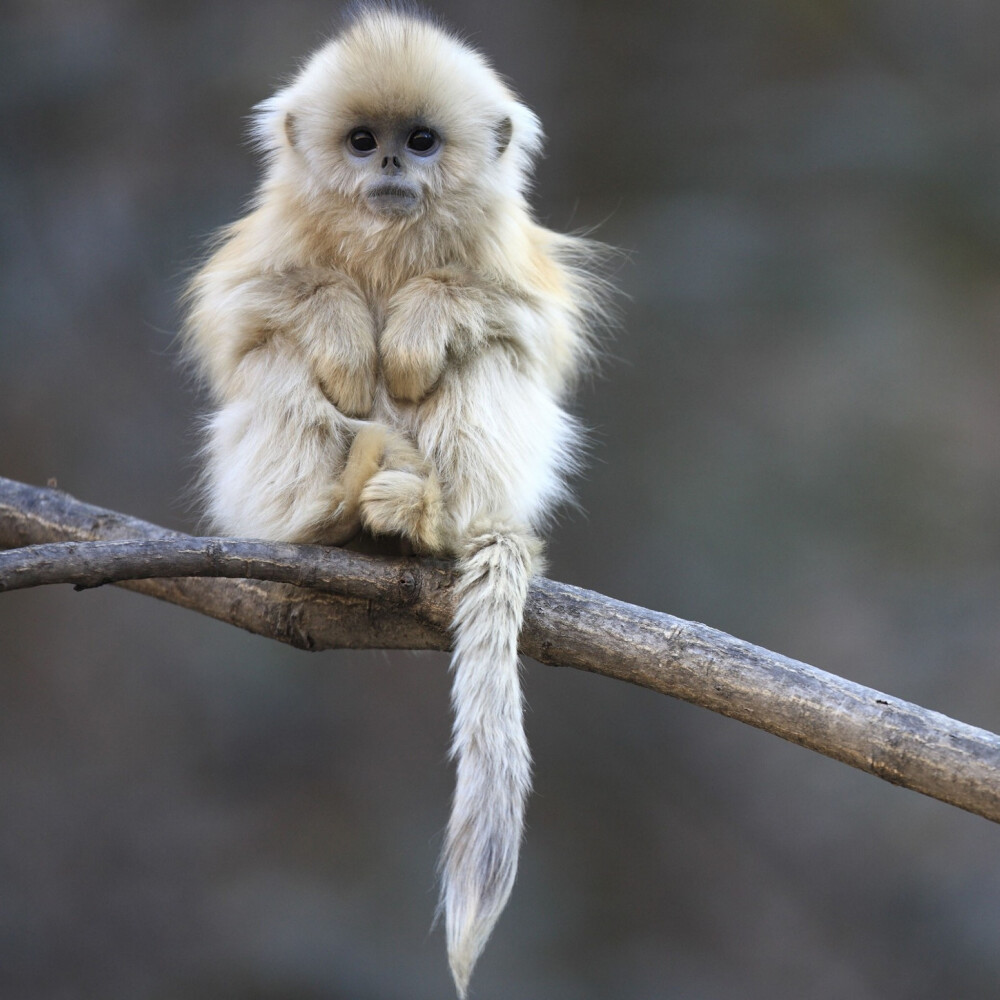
pixel 404 374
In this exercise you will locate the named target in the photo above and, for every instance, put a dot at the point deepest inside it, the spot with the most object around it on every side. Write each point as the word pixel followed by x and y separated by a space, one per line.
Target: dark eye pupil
pixel 362 141
pixel 421 140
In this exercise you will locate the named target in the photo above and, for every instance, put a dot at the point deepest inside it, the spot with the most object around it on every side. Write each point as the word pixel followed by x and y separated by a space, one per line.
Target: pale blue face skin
pixel 393 156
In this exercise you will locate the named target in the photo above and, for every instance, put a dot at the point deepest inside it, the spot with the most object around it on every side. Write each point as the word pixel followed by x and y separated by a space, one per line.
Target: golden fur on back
pixel 389 337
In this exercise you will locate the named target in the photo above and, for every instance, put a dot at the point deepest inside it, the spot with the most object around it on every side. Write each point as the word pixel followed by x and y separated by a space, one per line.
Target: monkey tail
pixel 493 761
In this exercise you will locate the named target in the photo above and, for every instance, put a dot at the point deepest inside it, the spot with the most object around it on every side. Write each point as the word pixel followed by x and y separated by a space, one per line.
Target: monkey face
pixel 395 161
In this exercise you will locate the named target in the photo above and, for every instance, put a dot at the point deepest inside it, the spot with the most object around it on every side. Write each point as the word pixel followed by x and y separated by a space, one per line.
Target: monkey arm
pixel 326 314
pixel 236 310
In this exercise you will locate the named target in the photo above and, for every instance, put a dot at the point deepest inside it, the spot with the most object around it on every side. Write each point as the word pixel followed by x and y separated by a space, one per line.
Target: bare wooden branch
pixel 375 602
pixel 316 567
pixel 314 621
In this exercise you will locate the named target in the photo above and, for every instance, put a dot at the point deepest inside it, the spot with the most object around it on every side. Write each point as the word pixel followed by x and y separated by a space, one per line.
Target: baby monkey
pixel 389 339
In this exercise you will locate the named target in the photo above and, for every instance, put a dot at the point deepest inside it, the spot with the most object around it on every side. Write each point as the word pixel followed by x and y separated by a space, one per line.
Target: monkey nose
pixel 391 163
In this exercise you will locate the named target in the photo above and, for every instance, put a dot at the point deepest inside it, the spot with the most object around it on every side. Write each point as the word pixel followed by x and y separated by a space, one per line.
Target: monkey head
pixel 398 119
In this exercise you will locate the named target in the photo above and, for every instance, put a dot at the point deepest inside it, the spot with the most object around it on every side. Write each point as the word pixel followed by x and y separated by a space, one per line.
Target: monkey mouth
pixel 392 199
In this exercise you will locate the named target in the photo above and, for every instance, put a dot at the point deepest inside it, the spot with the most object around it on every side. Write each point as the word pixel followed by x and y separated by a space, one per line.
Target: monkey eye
pixel 423 141
pixel 362 140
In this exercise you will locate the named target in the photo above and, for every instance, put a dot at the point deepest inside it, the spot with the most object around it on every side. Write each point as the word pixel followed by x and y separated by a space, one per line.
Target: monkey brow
pixel 390 111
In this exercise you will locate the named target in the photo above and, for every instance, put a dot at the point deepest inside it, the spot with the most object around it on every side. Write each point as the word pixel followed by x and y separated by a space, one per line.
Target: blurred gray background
pixel 796 441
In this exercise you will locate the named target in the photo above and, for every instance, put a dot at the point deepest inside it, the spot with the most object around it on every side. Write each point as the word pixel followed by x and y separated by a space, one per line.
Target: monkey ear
pixel 503 131
pixel 289 125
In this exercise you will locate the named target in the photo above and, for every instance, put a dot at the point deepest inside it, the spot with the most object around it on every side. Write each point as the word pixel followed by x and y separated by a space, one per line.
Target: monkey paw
pixel 414 344
pixel 410 366
pixel 337 331
pixel 394 502
pixel 351 390
pixel 346 363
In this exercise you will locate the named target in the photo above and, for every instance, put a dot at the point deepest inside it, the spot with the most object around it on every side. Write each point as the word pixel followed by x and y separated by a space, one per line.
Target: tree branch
pixel 380 603
pixel 315 567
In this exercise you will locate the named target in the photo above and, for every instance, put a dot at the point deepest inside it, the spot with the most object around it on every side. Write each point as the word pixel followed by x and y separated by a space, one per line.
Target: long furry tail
pixel 493 761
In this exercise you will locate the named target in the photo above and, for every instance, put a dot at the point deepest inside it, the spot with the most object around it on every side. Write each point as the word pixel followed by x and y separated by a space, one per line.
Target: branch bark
pixel 356 601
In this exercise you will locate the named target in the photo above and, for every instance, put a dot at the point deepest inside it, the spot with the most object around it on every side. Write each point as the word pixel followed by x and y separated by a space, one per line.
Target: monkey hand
pixel 394 488
pixel 335 328
pixel 347 371
pixel 414 344
pixel 445 313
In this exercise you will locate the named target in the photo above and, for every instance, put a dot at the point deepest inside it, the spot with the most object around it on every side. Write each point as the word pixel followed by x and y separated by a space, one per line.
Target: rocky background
pixel 795 440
